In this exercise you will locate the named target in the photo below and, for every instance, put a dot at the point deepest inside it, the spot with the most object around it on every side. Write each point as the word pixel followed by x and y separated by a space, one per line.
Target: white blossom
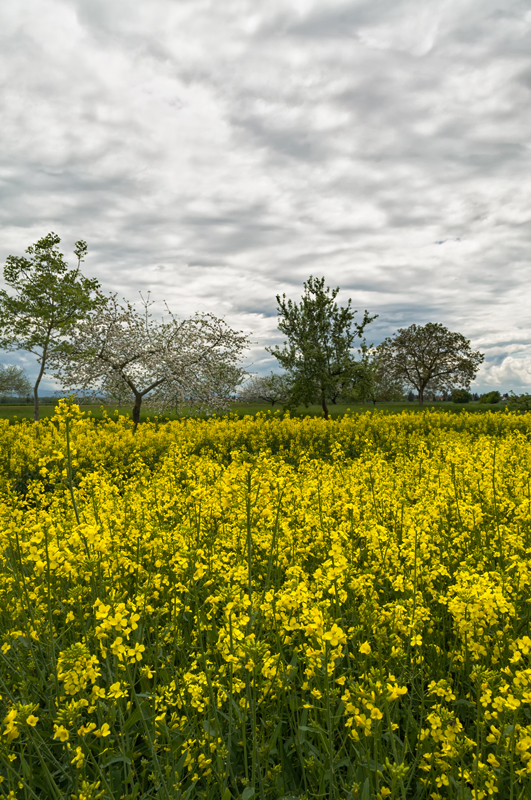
pixel 123 352
pixel 273 388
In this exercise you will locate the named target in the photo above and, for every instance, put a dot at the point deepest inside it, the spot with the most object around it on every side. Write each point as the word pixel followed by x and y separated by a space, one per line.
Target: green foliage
pixel 520 402
pixel 461 396
pixel 490 397
pixel 374 381
pixel 318 350
pixel 430 358
pixel 48 299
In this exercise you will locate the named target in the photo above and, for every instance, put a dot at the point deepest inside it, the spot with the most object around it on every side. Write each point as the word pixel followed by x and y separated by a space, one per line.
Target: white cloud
pixel 512 373
pixel 219 153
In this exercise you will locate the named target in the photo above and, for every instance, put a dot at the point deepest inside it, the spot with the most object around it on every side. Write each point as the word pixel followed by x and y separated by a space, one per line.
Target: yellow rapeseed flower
pixel 103 731
pixel 61 733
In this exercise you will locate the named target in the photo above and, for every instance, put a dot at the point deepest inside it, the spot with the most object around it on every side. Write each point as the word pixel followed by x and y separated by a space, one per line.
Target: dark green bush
pixel 520 402
pixel 490 397
pixel 461 396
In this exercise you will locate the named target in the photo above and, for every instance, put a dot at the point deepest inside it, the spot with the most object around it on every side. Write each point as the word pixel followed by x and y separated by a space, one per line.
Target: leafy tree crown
pixel 430 358
pixel 320 338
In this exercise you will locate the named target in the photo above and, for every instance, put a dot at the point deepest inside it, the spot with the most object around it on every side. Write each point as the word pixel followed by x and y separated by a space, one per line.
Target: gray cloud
pixel 219 153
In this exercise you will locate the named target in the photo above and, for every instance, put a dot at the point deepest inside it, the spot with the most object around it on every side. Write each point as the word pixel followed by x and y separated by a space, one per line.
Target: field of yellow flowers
pixel 266 608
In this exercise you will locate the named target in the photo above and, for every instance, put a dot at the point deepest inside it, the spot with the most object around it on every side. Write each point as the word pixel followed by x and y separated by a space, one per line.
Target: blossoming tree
pixel 123 351
pixel 14 381
pixel 273 388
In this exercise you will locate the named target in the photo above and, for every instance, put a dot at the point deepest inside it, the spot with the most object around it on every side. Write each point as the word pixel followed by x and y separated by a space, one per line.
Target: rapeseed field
pixel 268 608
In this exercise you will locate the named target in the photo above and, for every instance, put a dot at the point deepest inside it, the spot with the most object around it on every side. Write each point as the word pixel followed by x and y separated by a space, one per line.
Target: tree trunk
pixel 39 376
pixel 324 406
pixel 136 411
pixel 421 398
pixel 36 394
pixel 35 404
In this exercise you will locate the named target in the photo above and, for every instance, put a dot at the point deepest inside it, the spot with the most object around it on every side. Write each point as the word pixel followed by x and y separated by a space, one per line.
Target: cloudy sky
pixel 218 153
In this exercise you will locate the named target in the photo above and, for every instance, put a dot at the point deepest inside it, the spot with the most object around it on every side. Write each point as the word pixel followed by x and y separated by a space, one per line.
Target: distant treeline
pixel 51 400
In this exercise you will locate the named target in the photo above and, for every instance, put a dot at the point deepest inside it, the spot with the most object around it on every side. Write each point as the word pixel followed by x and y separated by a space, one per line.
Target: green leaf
pixel 180 764
pixel 116 760
pixel 209 728
pixel 248 792
pixel 132 719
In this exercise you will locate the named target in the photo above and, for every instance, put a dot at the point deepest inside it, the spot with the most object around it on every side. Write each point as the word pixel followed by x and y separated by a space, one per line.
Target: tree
pixel 224 380
pixel 375 382
pixel 119 348
pixel 519 402
pixel 14 381
pixel 273 388
pixel 49 300
pixel 227 379
pixel 318 350
pixel 490 397
pixel 461 396
pixel 430 358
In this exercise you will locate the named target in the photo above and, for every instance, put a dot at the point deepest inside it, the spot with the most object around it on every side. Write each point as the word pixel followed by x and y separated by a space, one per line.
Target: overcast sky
pixel 218 153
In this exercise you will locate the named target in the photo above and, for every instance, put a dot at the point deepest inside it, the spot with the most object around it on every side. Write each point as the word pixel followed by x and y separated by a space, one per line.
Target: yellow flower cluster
pixel 76 668
pixel 268 606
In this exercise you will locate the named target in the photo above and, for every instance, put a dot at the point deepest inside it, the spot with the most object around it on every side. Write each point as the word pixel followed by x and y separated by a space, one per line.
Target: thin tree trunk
pixel 36 392
pixel 44 356
pixel 35 403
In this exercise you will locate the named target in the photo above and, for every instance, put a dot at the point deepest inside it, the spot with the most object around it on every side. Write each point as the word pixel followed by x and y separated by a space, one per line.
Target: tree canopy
pixel 48 300
pixel 122 351
pixel 375 382
pixel 14 381
pixel 273 388
pixel 430 358
pixel 519 402
pixel 318 352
